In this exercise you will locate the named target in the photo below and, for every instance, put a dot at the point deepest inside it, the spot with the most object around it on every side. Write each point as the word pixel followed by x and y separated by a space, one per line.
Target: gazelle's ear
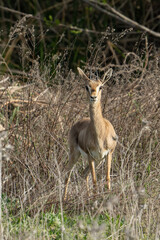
pixel 107 76
pixel 82 74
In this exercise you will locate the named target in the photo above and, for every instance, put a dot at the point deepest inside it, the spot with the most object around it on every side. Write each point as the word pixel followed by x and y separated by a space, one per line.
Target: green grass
pixel 48 225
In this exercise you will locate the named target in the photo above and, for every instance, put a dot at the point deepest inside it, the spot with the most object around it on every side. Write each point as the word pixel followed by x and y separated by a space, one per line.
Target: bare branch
pixel 114 13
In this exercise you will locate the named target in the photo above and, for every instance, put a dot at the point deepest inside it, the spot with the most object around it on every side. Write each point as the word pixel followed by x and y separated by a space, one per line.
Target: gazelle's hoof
pixel 108 185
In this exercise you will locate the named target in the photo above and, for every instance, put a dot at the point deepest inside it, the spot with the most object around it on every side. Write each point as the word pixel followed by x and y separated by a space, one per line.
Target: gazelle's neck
pixel 96 114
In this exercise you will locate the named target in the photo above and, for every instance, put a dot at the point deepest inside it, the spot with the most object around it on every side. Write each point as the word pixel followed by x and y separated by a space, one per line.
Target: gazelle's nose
pixel 93 98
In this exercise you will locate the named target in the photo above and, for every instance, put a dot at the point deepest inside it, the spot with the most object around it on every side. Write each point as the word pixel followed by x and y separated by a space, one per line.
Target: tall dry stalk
pixel 3 135
pixel 1 230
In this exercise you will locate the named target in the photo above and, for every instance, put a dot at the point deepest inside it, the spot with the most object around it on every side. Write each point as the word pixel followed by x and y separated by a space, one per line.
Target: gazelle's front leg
pixel 93 172
pixel 108 169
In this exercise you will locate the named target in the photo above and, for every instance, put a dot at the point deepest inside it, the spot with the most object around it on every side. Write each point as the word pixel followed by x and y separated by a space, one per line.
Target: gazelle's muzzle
pixel 93 98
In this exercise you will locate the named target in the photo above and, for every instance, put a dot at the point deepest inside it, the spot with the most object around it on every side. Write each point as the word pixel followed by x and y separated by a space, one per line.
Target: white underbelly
pixel 97 155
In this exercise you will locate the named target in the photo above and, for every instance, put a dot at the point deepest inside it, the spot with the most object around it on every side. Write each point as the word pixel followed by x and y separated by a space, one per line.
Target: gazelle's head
pixel 94 87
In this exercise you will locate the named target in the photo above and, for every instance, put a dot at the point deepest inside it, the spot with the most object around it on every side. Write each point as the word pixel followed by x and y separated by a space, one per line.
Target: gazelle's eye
pixel 87 88
pixel 100 88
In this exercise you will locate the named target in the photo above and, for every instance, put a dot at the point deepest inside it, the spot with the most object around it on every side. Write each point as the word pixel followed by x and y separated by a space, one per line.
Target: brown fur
pixel 94 136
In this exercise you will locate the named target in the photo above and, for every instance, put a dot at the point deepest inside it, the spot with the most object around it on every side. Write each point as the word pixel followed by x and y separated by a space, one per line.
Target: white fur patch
pixel 97 155
pixel 82 152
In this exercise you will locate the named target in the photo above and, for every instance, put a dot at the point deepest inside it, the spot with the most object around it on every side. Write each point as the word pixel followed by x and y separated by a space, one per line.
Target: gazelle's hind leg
pixel 87 183
pixel 108 169
pixel 73 158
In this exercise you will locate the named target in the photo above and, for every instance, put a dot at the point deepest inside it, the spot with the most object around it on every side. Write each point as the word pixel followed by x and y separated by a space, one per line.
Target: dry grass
pixel 38 116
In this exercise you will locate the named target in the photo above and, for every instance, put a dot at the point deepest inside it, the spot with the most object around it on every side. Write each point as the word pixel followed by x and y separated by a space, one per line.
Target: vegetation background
pixel 41 97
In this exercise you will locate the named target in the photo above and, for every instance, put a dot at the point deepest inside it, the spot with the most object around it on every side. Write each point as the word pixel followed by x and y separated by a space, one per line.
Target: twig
pixel 4 80
pixel 20 101
pixel 55 6
pixel 17 12
pixel 74 28
pixel 40 95
pixel 13 89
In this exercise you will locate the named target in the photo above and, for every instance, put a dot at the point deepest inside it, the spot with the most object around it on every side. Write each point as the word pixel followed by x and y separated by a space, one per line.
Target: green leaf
pixel 76 31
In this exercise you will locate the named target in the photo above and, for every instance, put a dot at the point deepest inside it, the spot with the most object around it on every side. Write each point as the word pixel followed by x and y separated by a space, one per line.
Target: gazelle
pixel 92 137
